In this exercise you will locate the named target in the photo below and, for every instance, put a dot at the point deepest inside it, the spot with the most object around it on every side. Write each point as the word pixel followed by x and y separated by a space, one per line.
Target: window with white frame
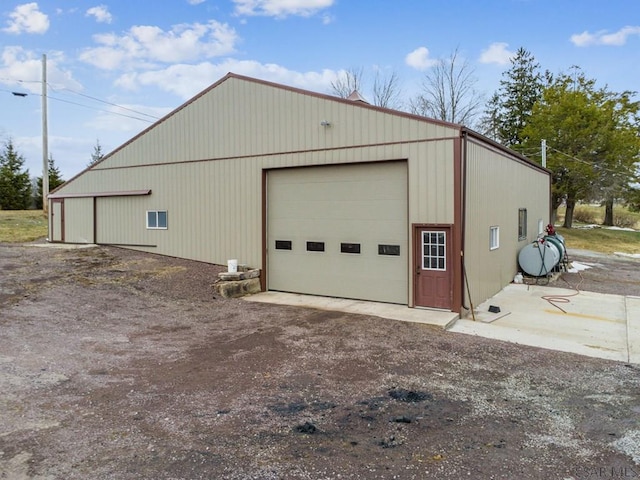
pixel 157 220
pixel 540 226
pixel 494 238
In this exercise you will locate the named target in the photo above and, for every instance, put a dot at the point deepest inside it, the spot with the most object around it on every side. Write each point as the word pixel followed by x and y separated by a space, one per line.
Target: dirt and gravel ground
pixel 116 364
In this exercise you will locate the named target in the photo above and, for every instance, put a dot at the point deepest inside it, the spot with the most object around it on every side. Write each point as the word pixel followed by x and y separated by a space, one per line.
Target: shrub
pixel 584 214
pixel 624 219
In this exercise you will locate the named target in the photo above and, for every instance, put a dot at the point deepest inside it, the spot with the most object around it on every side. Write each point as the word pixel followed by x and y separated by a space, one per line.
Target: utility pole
pixel 544 153
pixel 45 140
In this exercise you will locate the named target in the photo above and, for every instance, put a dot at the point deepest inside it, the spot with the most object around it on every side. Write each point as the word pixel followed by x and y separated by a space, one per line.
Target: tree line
pixel 592 134
pixel 18 191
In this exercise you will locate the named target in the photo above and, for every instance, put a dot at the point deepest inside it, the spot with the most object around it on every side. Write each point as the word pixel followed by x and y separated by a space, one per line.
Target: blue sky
pixel 150 56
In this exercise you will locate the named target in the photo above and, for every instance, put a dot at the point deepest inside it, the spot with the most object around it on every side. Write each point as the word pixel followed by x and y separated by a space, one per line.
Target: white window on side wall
pixel 494 237
pixel 157 220
pixel 540 227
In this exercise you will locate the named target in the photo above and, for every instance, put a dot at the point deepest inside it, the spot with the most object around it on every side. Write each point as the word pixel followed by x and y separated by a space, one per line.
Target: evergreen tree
pixel 55 180
pixel 592 138
pixel 509 109
pixel 617 168
pixel 15 185
pixel 97 154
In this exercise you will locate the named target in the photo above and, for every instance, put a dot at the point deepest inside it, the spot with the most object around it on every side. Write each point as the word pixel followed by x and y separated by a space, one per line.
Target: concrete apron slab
pixel 633 328
pixel 436 318
pixel 586 323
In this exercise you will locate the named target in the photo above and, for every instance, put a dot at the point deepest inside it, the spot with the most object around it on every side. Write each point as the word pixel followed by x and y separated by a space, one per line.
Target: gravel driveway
pixel 116 364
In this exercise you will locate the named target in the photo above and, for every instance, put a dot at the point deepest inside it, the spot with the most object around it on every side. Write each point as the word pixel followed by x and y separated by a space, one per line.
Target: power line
pixel 108 103
pixel 88 106
pixel 86 96
pixel 100 110
pixel 591 164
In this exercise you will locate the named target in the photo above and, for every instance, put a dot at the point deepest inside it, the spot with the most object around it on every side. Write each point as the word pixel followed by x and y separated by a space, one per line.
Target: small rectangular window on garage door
pixel 315 246
pixel 283 245
pixel 393 250
pixel 349 248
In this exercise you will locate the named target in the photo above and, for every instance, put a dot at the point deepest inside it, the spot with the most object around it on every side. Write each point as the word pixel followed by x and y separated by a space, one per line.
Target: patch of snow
pixel 593 225
pixel 624 229
pixel 628 255
pixel 577 267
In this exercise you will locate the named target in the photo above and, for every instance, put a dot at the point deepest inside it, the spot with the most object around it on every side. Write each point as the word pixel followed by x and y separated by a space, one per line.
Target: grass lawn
pixel 601 239
pixel 17 226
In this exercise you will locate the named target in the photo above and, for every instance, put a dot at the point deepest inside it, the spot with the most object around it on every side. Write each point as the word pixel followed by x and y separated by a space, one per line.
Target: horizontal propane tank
pixel 539 258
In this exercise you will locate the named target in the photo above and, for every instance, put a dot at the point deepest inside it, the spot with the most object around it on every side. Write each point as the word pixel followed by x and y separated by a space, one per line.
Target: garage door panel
pixel 356 204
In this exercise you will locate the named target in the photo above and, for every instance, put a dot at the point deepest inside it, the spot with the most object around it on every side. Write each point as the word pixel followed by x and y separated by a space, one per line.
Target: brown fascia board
pixel 150 127
pixel 124 193
pixel 506 150
pixel 345 101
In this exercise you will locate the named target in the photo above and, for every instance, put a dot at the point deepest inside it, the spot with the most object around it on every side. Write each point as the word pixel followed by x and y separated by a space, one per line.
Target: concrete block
pixel 238 288
pixel 236 276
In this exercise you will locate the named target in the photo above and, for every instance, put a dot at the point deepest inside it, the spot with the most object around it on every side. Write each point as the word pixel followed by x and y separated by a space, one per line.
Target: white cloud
pixel 148 45
pixel 101 14
pixel 281 8
pixel 586 39
pixel 22 67
pixel 419 59
pixel 195 2
pixel 27 18
pixel 496 53
pixel 187 80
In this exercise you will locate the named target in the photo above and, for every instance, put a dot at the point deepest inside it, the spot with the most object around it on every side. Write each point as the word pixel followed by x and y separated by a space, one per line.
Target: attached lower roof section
pixel 126 193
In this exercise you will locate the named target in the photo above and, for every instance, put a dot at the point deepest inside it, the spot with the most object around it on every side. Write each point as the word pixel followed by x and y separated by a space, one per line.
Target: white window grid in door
pixel 434 251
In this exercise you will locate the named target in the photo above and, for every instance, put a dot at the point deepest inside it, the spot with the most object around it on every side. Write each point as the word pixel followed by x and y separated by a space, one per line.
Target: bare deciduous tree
pixel 448 92
pixel 348 81
pixel 386 90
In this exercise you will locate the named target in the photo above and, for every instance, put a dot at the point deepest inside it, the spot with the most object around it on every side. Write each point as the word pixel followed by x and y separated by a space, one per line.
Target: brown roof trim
pixel 332 98
pixel 345 101
pixel 127 193
pixel 269 84
pixel 504 150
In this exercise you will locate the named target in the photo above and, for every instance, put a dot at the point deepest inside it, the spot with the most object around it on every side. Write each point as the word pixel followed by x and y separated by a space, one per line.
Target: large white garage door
pixel 339 231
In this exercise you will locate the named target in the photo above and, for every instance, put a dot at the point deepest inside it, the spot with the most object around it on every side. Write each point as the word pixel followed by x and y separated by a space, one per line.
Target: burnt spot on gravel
pixel 409 396
pixel 306 427
pixel 288 408
pixel 297 407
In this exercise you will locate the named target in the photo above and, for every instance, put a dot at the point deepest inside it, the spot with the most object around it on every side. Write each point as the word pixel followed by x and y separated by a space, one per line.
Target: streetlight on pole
pixel 45 136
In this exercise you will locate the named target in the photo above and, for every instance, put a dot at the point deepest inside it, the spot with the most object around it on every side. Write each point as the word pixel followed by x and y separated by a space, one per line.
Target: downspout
pixel 463 214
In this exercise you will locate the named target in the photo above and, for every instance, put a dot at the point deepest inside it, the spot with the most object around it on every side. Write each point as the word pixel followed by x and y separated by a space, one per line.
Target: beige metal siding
pixel 359 204
pixel 77 230
pixel 127 215
pixel 431 182
pixel 497 187
pixel 240 118
pixel 204 166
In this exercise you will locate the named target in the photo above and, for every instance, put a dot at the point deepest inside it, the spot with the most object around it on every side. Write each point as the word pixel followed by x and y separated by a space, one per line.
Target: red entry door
pixel 432 269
